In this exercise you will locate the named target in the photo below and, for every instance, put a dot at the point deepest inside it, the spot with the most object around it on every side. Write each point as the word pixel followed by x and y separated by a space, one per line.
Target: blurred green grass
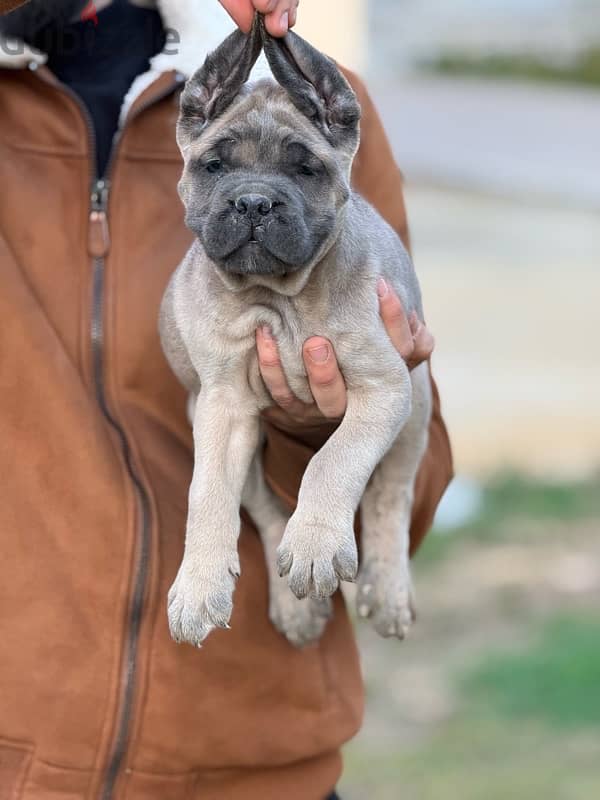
pixel 471 758
pixel 583 70
pixel 508 500
pixel 489 701
pixel 556 679
pixel 525 726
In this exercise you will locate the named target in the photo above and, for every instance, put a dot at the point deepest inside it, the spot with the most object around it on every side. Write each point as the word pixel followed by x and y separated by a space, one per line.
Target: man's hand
pixel 409 336
pixel 280 15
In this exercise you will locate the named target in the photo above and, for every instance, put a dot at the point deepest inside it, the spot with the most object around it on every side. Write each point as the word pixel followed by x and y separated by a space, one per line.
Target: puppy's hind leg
pixel 384 585
pixel 300 621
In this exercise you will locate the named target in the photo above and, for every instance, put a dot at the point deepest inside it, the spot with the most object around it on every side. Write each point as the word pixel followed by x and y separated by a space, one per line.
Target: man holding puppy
pixel 97 701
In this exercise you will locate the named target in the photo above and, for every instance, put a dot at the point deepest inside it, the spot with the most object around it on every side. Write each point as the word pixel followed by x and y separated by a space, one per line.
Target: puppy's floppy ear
pixel 315 86
pixel 212 89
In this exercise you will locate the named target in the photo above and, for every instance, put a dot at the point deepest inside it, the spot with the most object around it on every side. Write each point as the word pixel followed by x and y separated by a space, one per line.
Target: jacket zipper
pixel 99 232
pixel 99 245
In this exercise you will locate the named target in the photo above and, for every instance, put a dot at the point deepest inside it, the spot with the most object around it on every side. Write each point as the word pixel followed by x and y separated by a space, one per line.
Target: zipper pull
pixel 99 234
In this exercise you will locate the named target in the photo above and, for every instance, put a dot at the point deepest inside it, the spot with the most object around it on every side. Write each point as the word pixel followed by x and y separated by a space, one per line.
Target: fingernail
pixel 266 331
pixel 319 354
pixel 285 22
pixel 382 287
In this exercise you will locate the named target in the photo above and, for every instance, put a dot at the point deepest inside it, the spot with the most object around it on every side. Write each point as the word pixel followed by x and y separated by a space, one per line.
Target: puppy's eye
pixel 304 169
pixel 214 166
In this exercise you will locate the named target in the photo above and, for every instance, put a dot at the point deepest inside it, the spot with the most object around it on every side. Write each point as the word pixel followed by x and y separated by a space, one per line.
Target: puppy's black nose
pixel 253 205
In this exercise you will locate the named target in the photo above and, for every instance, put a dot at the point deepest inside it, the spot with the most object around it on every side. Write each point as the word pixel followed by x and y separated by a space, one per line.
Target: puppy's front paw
pixel 316 557
pixel 300 621
pixel 201 597
pixel 385 596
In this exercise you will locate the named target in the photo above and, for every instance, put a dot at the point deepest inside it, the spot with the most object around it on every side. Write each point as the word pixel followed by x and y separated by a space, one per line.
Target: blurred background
pixel 493 109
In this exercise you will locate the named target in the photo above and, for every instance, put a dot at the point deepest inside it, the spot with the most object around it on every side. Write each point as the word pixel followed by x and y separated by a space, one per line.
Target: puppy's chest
pixel 291 322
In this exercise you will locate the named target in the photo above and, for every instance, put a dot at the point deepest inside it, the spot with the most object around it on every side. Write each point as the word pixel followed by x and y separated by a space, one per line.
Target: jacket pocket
pixel 15 759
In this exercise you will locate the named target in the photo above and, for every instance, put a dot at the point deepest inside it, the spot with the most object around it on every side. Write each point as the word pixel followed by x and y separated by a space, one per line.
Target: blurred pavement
pixel 504 210
pixel 511 292
pixel 514 139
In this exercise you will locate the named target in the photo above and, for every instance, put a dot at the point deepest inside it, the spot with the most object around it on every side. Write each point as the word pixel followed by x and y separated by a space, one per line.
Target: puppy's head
pixel 266 171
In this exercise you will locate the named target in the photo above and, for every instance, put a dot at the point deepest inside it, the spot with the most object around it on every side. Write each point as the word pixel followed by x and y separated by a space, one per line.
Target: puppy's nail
pixel 284 564
pixel 382 287
pixel 363 611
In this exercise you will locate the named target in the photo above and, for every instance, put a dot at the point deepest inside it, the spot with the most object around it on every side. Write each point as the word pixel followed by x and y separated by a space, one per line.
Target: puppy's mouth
pixel 259 244
pixel 254 255
pixel 253 234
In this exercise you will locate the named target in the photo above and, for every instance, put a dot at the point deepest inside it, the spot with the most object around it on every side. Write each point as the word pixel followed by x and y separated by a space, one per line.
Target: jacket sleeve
pixel 289 446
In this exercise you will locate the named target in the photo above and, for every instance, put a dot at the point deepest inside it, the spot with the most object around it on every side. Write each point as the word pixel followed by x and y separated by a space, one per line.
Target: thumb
pixel 241 12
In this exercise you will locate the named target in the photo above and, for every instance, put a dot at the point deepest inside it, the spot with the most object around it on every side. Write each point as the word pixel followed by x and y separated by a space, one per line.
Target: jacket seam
pixel 28 751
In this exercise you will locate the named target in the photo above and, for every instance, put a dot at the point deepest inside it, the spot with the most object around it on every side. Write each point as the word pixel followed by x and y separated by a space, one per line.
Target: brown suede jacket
pixel 96 701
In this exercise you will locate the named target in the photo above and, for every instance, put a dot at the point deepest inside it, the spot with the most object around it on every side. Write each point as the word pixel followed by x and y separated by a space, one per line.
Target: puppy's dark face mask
pixel 266 173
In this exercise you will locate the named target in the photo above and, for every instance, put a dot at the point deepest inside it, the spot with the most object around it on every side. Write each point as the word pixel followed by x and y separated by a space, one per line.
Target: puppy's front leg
pixel 318 548
pixel 300 621
pixel 225 439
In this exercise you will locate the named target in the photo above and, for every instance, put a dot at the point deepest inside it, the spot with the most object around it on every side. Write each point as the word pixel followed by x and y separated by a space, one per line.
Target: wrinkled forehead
pixel 260 125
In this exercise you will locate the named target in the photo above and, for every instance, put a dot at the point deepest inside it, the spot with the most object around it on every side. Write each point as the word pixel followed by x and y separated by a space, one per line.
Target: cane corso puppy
pixel 282 240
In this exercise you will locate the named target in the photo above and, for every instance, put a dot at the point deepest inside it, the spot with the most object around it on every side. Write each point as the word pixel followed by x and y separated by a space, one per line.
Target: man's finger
pixel 273 375
pixel 241 12
pixel 394 319
pixel 423 342
pixel 278 15
pixel 294 13
pixel 265 6
pixel 324 377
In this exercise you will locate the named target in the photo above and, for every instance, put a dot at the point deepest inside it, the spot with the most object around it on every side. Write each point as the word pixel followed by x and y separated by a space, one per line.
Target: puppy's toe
pixel 285 559
pixel 324 578
pixel 300 577
pixel 345 561
pixel 385 597
pixel 316 557
pixel 301 621
pixel 200 601
pixel 393 619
